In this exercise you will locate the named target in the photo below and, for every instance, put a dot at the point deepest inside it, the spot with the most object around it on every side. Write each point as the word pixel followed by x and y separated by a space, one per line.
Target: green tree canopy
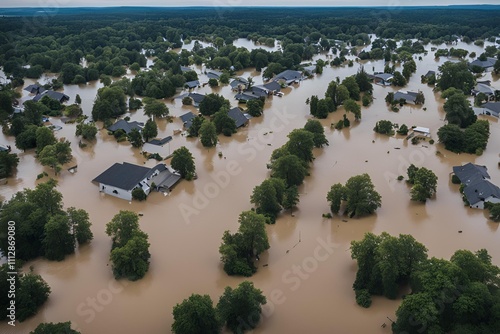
pixel 238 251
pixel 88 131
pixel 208 134
pixel 301 143
pixel 223 123
pixel 57 328
pixel 360 196
pixel 183 162
pixel 241 308
pixel 135 138
pixel 44 137
pixel 212 103
pixel 110 102
pixel 31 293
pixel 458 111
pixel 196 315
pixel 8 163
pixel 289 168
pixel 56 155
pixel 155 108
pixel 424 184
pixel 315 127
pixel 455 75
pixel 58 241
pixel 150 130
pixel 268 197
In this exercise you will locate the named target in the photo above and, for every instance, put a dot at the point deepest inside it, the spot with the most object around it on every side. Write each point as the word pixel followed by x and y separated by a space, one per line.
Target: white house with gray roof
pixel 478 189
pixel 121 179
pixel 158 146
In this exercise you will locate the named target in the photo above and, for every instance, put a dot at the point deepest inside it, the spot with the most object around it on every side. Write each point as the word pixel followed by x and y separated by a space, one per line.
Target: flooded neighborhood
pixel 307 273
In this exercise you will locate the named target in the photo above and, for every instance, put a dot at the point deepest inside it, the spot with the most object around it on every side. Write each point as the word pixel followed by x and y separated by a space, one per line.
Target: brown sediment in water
pixel 308 283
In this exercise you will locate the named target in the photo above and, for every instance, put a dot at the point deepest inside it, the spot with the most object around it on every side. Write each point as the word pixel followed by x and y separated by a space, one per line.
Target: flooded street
pixel 308 284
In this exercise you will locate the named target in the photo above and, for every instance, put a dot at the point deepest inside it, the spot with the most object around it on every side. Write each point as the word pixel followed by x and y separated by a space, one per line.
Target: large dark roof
pixel 160 142
pixel 288 75
pixel 197 98
pixel 480 191
pixel 123 176
pixel 489 62
pixel 187 119
pixel 125 126
pixel 238 116
pixel 35 89
pixel 53 95
pixel 470 173
pixel 238 81
pixel 493 106
pixel 192 84
pixel 273 85
pixel 212 74
pixel 245 97
pixel 408 96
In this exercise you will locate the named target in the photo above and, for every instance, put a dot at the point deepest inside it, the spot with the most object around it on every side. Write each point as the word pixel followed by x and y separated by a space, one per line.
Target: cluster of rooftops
pixel 477 188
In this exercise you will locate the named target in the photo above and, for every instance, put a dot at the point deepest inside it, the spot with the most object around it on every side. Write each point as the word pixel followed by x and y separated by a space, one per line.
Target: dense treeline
pixel 112 40
pixel 456 296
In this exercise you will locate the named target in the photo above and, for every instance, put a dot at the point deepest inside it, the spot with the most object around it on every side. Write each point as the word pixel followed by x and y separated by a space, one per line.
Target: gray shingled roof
pixel 238 116
pixel 494 107
pixel 470 173
pixel 123 176
pixel 126 126
pixel 245 97
pixel 238 81
pixel 212 74
pixel 273 86
pixel 480 191
pixel 430 73
pixel 53 95
pixel 187 119
pixel 483 88
pixel 192 84
pixel 407 96
pixel 35 89
pixel 288 75
pixel 383 76
pixel 489 62
pixel 160 142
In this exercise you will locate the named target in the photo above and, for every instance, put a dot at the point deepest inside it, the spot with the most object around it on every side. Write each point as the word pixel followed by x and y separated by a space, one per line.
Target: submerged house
pixel 35 89
pixel 478 189
pixel 53 95
pixel 485 88
pixel 125 126
pixel 407 97
pixel 121 179
pixel 239 84
pixel 239 118
pixel 158 146
pixel 487 65
pixel 384 79
pixel 192 84
pixel 491 108
pixel 195 97
pixel 288 77
pixel 245 97
pixel 420 131
pixel 213 74
pixel 187 119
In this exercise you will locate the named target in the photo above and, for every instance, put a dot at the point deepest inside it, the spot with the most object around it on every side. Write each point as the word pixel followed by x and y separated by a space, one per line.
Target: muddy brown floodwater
pixel 309 273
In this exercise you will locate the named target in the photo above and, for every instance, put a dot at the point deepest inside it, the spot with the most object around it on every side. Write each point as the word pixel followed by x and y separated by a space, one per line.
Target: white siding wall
pixel 480 205
pixel 163 151
pixel 120 193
